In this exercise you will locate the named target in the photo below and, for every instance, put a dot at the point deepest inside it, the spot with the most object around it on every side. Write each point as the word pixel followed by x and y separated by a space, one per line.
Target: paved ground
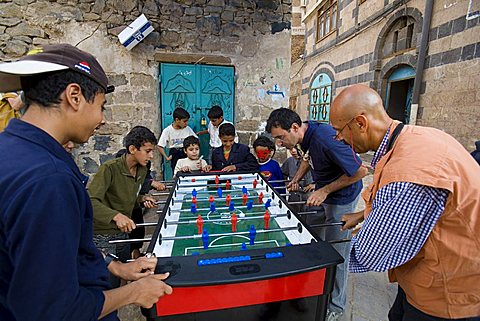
pixel 370 295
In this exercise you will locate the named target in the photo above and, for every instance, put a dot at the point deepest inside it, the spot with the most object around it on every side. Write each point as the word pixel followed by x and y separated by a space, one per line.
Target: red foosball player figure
pixel 211 199
pixel 266 219
pixel 194 200
pixel 228 199
pixel 260 198
pixel 244 199
pixel 255 183
pixel 200 224
pixel 234 220
pixel 227 185
pixel 217 180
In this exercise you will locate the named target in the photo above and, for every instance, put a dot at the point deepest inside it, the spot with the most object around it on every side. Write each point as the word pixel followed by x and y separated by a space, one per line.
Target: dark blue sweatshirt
pixel 49 266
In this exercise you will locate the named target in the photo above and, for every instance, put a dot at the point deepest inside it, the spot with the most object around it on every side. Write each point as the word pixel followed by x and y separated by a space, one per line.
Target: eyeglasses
pixel 281 137
pixel 341 130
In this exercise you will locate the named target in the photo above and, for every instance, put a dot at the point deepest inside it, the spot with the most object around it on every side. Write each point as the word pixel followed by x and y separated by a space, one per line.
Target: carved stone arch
pixel 391 66
pixel 375 65
pixel 322 68
pixel 319 100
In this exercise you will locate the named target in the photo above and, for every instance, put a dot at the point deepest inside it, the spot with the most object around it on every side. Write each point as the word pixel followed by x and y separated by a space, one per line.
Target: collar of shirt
pixel 381 149
pixel 31 133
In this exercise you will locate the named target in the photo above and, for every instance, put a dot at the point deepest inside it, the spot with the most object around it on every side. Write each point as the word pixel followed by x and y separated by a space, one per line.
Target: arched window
pixel 320 98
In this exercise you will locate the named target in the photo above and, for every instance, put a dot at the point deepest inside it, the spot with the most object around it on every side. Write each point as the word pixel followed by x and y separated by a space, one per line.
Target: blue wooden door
pixel 195 88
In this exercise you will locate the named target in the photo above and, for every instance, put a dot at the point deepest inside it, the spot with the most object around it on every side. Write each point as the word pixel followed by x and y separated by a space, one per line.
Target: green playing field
pixel 226 242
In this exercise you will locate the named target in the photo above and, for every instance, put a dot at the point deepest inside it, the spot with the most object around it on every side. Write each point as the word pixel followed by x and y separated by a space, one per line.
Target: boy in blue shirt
pixel 232 156
pixel 269 168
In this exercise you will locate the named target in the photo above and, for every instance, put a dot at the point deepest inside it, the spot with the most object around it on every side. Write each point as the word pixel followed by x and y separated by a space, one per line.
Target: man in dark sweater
pixel 50 268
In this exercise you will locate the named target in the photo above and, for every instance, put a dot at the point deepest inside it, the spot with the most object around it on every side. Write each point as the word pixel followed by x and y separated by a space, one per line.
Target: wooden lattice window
pixel 326 18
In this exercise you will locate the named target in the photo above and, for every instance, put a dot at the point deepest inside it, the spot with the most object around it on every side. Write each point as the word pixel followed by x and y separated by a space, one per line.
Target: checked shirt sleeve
pixel 403 216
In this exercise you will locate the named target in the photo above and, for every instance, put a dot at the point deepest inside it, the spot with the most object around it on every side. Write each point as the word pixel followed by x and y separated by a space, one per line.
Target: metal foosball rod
pixel 244 182
pixel 161 193
pixel 130 241
pixel 224 198
pixel 218 208
pixel 339 241
pixel 199 236
pixel 147 224
pixel 328 224
pixel 166 223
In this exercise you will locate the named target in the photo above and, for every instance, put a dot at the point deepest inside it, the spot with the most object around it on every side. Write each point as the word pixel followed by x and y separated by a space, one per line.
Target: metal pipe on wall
pixel 427 18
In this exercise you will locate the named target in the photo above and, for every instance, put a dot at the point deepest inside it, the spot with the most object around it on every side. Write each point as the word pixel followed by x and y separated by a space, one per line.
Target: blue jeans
pixel 333 214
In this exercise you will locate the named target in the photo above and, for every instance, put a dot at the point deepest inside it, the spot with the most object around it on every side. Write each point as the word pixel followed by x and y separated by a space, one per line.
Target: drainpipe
pixel 427 18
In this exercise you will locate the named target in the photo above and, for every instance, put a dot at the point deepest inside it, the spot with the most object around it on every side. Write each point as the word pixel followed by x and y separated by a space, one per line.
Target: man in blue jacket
pixel 50 268
pixel 337 173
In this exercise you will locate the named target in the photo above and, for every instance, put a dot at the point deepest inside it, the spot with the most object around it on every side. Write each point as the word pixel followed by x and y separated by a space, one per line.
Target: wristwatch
pixel 109 257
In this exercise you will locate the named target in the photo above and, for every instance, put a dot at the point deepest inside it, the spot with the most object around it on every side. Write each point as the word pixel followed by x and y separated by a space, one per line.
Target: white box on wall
pixel 135 32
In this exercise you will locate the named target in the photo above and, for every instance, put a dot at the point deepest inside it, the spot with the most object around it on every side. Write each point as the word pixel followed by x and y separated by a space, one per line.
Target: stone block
pixel 15 48
pixel 146 97
pixel 451 56
pixel 11 10
pixel 89 165
pixel 25 39
pixel 189 19
pixel 459 25
pixel 249 47
pixel 124 112
pixel 209 10
pixel 106 157
pixel 227 16
pixel 125 5
pixel 150 8
pixel 122 97
pixel 111 128
pixel 445 29
pixel 9 22
pixel 194 11
pixel 248 125
pixel 24 29
pixel 211 44
pixel 216 3
pixel 91 16
pixel 468 52
pixel 102 142
pixel 141 80
pixel 98 6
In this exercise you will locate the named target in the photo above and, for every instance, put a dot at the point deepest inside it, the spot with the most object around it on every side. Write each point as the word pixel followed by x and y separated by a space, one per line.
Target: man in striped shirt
pixel 421 217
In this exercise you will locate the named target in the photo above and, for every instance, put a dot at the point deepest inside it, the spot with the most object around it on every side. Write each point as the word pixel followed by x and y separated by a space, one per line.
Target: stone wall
pixel 361 52
pixel 253 35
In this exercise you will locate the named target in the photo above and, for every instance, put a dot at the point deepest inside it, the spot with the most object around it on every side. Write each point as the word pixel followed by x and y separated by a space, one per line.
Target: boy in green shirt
pixel 115 190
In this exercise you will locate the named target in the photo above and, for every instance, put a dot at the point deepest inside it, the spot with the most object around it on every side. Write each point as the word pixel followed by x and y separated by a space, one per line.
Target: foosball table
pixel 236 251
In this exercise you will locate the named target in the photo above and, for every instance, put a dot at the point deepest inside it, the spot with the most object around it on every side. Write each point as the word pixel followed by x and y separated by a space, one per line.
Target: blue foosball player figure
pixel 252 233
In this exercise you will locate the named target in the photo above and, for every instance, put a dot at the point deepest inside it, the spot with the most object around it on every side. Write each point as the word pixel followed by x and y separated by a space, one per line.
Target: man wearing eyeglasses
pixel 422 211
pixel 337 172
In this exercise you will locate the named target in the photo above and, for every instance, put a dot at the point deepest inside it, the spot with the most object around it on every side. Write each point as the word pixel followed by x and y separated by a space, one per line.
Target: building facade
pixel 421 56
pixel 235 53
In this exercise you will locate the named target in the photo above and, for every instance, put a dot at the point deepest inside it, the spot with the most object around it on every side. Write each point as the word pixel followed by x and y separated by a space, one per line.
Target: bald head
pixel 355 100
pixel 358 116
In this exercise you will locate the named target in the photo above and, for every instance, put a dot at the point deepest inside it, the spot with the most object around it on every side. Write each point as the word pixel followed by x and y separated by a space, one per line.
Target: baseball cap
pixel 52 58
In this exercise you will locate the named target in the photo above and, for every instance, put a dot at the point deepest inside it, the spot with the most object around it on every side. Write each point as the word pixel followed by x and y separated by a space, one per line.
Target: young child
pixel 191 147
pixel 172 137
pixel 114 192
pixel 215 115
pixel 269 168
pixel 232 156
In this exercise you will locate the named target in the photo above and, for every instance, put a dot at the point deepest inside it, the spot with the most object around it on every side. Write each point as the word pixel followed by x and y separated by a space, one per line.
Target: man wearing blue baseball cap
pixel 50 268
